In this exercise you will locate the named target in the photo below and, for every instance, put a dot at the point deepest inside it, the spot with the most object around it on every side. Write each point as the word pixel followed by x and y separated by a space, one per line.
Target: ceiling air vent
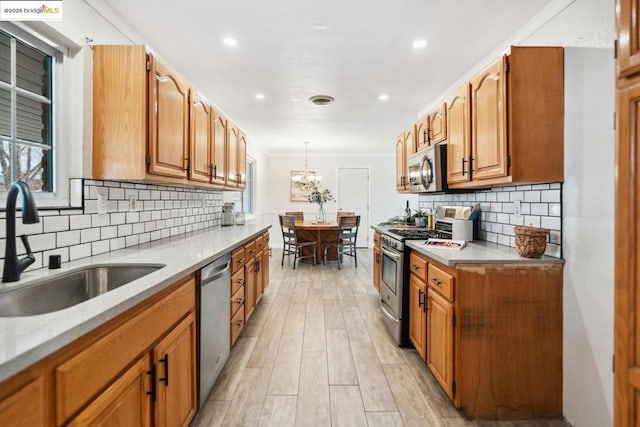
pixel 322 99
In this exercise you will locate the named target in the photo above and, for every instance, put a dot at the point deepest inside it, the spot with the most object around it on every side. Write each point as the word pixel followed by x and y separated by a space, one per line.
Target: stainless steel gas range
pixel 394 283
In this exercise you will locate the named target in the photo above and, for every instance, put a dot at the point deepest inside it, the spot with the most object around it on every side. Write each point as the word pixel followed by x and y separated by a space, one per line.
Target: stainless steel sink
pixel 70 288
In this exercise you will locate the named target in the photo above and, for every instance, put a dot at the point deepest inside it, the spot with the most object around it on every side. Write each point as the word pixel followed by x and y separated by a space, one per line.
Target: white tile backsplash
pixel 82 232
pixel 541 207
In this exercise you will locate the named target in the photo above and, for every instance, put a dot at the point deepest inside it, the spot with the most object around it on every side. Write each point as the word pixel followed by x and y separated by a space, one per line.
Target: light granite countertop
pixel 476 252
pixel 26 340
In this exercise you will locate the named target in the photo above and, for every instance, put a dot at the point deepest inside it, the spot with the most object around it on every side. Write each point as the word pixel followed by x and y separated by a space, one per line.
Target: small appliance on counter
pixel 228 214
pixel 456 221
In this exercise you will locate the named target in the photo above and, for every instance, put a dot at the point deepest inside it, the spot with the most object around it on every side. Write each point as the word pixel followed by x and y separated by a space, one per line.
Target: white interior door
pixel 353 196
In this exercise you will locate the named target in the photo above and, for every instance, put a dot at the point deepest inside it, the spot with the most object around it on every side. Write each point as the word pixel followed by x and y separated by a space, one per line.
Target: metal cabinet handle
pixel 421 300
pixel 241 281
pixel 415 267
pixel 165 380
pixel 471 159
pixel 240 261
pixel 152 380
pixel 464 161
pixel 239 323
pixel 186 168
pixel 436 282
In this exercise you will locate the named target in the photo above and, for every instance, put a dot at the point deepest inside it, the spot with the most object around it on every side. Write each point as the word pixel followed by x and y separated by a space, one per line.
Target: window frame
pixel 250 186
pixel 59 196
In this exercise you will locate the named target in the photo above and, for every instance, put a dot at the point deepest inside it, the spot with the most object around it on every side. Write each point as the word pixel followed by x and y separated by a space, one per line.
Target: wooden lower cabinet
pixel 114 374
pixel 250 277
pixel 125 403
pixel 176 375
pixel 439 340
pixel 491 335
pixel 377 261
pixel 25 407
pixel 418 315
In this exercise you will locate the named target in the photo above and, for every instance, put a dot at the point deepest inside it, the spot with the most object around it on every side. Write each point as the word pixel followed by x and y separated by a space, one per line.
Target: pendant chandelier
pixel 307 181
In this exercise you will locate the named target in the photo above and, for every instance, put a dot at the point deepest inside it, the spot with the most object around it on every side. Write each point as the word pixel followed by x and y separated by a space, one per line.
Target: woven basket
pixel 531 242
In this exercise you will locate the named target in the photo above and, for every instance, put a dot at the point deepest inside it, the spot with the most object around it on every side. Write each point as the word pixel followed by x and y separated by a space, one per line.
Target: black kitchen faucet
pixel 13 266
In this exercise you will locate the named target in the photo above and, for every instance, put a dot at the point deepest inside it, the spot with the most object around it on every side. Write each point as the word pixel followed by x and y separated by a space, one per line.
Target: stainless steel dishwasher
pixel 215 294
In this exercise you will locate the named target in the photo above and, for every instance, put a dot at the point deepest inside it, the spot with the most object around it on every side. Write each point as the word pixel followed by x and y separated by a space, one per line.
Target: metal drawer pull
pixel 421 300
pixel 152 374
pixel 165 380
pixel 415 267
pixel 436 282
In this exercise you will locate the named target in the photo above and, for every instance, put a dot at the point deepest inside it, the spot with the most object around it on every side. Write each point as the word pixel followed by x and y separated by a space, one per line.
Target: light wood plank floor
pixel 315 353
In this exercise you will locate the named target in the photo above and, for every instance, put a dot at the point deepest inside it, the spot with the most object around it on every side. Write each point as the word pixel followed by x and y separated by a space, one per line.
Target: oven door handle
pixel 382 306
pixel 392 255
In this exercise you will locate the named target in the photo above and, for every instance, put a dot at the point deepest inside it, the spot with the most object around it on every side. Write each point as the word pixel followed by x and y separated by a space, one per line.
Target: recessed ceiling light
pixel 229 41
pixel 383 97
pixel 259 95
pixel 419 44
pixel 321 99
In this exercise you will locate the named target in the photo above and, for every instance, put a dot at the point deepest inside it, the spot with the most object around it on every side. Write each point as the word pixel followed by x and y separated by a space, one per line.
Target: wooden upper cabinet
pixel 409 146
pixel 175 360
pixel 233 139
pixel 401 184
pixel 458 135
pixel 168 122
pixel 628 37
pixel 242 160
pixel 422 133
pixel 437 125
pixel 201 120
pixel 219 149
pixel 489 122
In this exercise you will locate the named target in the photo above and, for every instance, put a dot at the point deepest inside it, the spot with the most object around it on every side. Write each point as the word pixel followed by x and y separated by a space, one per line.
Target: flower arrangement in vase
pixel 320 197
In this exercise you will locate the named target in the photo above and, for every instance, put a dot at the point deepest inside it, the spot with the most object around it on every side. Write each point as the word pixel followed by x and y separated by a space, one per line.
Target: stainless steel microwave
pixel 428 170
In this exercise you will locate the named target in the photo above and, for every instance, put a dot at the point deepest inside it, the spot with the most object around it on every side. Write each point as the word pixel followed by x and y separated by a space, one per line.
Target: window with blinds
pixel 26 125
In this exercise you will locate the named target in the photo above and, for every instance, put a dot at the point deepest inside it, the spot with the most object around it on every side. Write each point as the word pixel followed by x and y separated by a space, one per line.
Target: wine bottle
pixel 407 214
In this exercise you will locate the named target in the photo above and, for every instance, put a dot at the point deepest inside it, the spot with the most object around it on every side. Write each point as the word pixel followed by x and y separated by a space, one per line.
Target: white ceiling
pixel 353 50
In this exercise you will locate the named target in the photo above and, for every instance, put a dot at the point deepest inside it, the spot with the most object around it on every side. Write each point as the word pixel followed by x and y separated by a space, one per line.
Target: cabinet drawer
pixel 418 266
pixel 237 280
pixel 80 378
pixel 259 243
pixel 237 325
pixel 237 301
pixel 250 250
pixel 237 259
pixel 441 282
pixel 265 239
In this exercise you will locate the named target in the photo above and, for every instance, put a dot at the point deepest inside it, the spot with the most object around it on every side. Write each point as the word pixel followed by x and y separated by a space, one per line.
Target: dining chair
pixel 291 245
pixel 343 213
pixel 299 216
pixel 346 242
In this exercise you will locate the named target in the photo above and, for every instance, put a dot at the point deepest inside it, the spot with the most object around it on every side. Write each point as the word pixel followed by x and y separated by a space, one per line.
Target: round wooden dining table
pixel 309 231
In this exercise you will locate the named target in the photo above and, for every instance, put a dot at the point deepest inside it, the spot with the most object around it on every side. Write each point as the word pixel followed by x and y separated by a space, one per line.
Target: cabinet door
pixel 249 288
pixel 628 27
pixel 264 267
pixel 440 340
pixel 200 126
pixel 417 314
pixel 25 407
pixel 400 162
pixel 125 403
pixel 175 360
pixel 438 125
pixel 409 148
pixel 489 122
pixel 219 150
pixel 627 285
pixel 377 260
pixel 168 122
pixel 422 133
pixel 242 160
pixel 233 136
pixel 459 137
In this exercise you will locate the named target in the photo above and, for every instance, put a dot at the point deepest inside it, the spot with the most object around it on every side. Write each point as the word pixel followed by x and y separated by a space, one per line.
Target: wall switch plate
pixel 517 208
pixel 133 201
pixel 102 200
